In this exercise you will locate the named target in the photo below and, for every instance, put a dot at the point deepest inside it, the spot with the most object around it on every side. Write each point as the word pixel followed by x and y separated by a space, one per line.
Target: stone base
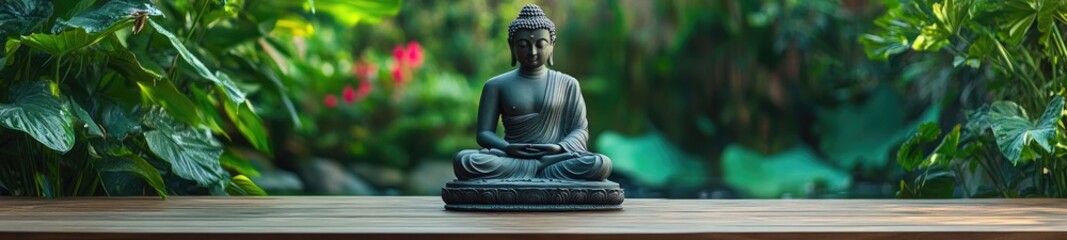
pixel 531 195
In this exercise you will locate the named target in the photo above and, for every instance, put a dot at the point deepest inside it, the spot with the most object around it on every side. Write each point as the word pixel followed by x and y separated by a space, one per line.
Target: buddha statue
pixel 545 133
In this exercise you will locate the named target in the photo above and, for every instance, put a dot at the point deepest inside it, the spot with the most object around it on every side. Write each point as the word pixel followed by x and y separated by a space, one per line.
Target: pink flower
pixel 399 54
pixel 349 94
pixel 409 56
pixel 398 75
pixel 363 70
pixel 414 55
pixel 330 100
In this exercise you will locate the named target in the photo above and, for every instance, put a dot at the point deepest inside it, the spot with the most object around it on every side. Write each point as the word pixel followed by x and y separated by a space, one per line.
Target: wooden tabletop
pixel 328 217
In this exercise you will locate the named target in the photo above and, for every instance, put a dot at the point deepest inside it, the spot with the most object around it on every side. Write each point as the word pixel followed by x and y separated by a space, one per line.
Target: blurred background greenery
pixel 691 99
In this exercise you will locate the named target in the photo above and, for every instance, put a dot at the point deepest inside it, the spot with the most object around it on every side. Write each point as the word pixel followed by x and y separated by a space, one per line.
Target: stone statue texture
pixel 542 162
pixel 542 111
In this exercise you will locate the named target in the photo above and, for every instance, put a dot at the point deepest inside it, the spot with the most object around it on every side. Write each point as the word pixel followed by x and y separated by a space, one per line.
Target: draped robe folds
pixel 562 121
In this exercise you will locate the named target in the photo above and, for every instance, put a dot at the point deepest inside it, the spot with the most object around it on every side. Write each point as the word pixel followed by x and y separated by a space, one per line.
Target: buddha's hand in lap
pixel 532 151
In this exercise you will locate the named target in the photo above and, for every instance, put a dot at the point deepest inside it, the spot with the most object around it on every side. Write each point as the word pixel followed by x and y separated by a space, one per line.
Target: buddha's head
pixel 531 37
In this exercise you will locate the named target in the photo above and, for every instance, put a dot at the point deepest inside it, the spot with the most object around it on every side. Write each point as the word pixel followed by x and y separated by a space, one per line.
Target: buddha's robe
pixel 562 121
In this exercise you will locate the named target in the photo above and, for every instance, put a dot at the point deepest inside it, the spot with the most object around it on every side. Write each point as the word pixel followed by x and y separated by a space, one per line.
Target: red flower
pixel 399 54
pixel 414 54
pixel 398 75
pixel 330 100
pixel 349 94
pixel 409 56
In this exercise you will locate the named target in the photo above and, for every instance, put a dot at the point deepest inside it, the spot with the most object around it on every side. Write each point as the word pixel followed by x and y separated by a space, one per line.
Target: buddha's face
pixel 532 48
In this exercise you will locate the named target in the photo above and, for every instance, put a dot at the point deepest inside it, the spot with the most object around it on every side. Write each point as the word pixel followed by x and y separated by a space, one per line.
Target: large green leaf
pixel 66 42
pixel 910 154
pixel 87 120
pixel 174 102
pixel 193 153
pixel 250 125
pixel 35 111
pixel 672 167
pixel 947 150
pixel 221 80
pixel 1020 15
pixel 69 8
pixel 351 12
pixel 136 165
pixel 118 122
pixel 792 172
pixel 127 64
pixel 21 17
pixel 206 104
pixel 107 15
pixel 1014 131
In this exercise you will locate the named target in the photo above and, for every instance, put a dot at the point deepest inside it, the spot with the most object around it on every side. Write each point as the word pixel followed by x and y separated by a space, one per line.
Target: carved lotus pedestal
pixel 532 195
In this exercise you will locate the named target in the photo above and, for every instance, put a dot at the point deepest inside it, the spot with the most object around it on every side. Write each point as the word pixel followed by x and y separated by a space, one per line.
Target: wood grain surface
pixel 328 217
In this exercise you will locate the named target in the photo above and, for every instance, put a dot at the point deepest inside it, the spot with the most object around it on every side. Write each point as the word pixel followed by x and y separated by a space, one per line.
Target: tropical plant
pixel 99 93
pixel 1013 51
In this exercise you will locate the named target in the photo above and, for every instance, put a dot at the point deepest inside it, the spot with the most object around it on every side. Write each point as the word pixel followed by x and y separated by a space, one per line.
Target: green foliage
pixel 630 156
pixel 63 43
pixel 910 154
pixel 138 166
pixel 240 185
pixel 192 153
pixel 220 80
pixel 1014 51
pixel 938 185
pixel 35 111
pixel 21 17
pixel 108 15
pixel 1015 132
pixel 796 172
pixel 97 99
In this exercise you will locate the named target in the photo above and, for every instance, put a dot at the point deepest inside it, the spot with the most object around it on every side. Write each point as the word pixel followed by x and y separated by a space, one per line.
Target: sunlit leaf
pixel 192 153
pixel 35 111
pixel 1015 131
pixel 351 12
pixel 107 15
pixel 65 42
pixel 944 152
pixel 240 185
pixel 910 154
pixel 173 101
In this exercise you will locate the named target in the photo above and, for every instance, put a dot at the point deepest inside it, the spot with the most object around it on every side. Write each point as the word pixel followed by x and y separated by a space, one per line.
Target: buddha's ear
pixel 512 51
pixel 550 62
